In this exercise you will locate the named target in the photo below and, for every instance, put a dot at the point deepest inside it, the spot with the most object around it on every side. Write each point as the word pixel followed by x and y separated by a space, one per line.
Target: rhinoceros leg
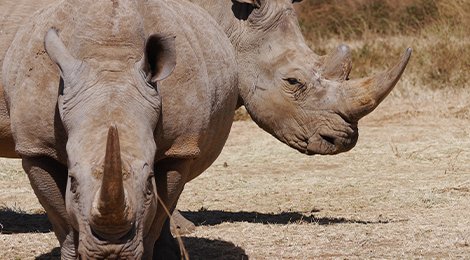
pixel 48 179
pixel 166 246
pixel 170 177
pixel 7 145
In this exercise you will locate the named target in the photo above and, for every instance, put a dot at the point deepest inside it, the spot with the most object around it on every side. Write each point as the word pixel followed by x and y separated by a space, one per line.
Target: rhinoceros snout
pixel 325 143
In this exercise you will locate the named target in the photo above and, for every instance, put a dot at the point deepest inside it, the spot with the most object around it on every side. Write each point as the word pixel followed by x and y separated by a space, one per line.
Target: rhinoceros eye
pixel 293 81
pixel 73 184
pixel 298 89
pixel 149 188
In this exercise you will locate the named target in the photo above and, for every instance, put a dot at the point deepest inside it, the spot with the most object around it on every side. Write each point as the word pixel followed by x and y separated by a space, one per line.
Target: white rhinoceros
pixel 96 140
pixel 275 61
pixel 302 99
pixel 276 77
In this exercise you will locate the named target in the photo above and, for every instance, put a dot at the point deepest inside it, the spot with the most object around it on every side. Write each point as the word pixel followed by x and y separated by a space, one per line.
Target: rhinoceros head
pixel 109 107
pixel 304 100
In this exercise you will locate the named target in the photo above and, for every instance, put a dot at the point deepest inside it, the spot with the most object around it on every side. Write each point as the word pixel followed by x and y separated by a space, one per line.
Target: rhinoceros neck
pixel 106 23
pixel 221 11
pixel 216 8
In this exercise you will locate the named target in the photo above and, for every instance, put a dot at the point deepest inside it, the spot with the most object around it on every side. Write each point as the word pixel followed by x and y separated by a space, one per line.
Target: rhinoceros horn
pixel 337 64
pixel 362 96
pixel 112 212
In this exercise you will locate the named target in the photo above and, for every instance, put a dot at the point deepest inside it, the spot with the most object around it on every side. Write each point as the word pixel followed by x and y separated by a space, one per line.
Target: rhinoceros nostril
pixel 328 139
pixel 111 237
pixel 93 232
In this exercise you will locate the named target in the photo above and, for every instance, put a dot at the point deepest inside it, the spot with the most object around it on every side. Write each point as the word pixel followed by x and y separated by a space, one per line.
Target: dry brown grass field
pixel 402 193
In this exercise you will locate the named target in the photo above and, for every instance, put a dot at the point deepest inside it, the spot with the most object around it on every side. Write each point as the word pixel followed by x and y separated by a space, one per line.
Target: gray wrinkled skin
pixel 283 84
pixel 13 13
pixel 302 99
pixel 97 139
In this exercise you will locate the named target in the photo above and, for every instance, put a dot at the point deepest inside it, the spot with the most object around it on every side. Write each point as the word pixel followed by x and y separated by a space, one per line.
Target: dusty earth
pixel 402 193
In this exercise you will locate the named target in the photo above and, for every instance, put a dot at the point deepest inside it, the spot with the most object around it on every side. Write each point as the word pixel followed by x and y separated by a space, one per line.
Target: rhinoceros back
pixel 198 98
pixel 13 13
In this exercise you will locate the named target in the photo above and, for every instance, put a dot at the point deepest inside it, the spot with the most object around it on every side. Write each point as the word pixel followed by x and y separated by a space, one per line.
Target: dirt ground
pixel 402 193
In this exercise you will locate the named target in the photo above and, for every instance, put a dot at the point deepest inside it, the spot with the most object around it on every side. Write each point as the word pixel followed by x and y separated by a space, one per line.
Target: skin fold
pixel 273 58
pixel 97 139
pixel 304 100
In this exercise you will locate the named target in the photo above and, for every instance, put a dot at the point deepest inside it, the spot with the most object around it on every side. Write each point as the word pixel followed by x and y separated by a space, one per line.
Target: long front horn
pixel 111 213
pixel 112 189
pixel 362 96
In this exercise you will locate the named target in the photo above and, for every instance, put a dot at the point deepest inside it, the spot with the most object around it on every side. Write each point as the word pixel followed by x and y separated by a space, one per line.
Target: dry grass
pixel 355 19
pixel 379 31
pixel 25 231
pixel 402 193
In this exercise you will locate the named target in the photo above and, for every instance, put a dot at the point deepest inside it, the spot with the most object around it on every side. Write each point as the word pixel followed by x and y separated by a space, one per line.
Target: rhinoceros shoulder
pixel 202 90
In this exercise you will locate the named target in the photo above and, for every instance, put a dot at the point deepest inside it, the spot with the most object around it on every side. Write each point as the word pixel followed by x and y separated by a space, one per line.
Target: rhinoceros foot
pixel 180 225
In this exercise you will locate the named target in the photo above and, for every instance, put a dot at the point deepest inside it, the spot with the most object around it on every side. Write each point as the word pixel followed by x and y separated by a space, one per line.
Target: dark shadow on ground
pixel 17 221
pixel 215 217
pixel 197 248
pixel 205 249
pixel 53 255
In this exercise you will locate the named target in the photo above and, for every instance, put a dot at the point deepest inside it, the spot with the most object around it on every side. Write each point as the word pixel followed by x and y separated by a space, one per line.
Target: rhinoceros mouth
pixel 326 141
pixel 121 236
pixel 329 145
pixel 92 246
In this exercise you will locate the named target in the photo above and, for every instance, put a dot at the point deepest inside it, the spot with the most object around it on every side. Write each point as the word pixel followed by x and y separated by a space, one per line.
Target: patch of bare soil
pixel 402 193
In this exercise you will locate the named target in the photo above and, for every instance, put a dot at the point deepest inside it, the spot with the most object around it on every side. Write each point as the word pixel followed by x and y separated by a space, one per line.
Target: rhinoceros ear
pixel 254 3
pixel 57 51
pixel 160 56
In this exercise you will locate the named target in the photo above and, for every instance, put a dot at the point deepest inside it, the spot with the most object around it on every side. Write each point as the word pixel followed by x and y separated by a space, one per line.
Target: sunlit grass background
pixel 378 31
pixel 401 193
